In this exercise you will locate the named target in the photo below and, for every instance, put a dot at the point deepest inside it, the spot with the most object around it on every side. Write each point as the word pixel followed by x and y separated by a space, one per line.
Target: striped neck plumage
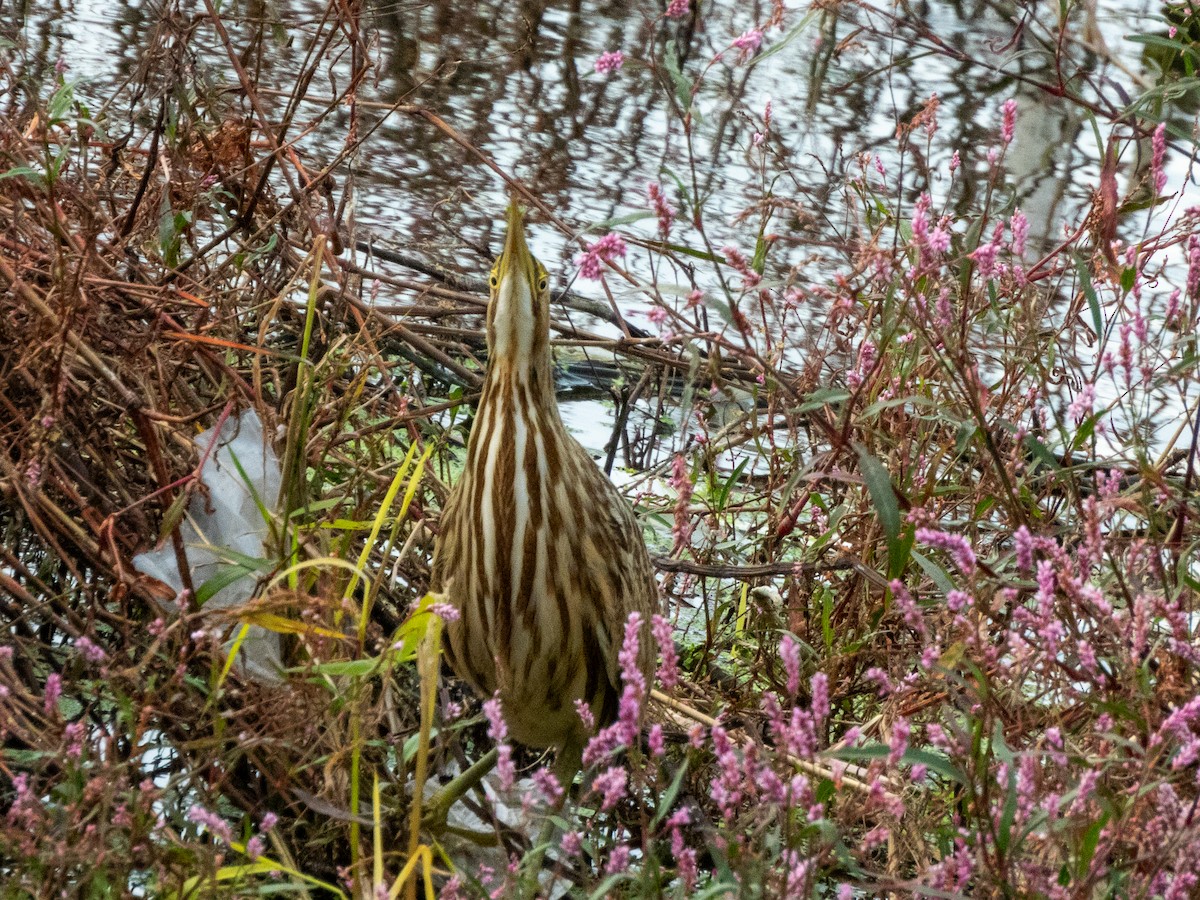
pixel 518 332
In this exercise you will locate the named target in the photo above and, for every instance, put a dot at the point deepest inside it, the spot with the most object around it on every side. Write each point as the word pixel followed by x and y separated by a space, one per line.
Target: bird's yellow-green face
pixel 518 314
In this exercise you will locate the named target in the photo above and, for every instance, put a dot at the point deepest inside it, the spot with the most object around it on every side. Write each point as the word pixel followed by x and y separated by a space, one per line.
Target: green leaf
pixel 1087 846
pixel 608 884
pixel 683 84
pixel 1085 284
pixel 22 172
pixel 823 397
pixel 225 576
pixel 617 221
pixel 723 494
pixel 667 800
pixel 691 251
pixel 1155 40
pixel 1128 277
pixel 887 507
pixel 759 263
pixel 862 753
pixel 69 707
pixel 353 668
pixel 935 572
pixel 787 39
pixel 1004 753
pixel 1042 454
pixel 935 762
pixel 60 102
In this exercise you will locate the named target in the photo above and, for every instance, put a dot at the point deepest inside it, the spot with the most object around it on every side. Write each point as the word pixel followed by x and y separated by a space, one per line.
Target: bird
pixel 538 551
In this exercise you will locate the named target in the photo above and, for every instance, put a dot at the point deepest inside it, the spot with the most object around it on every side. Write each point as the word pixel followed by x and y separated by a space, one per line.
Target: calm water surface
pixel 517 79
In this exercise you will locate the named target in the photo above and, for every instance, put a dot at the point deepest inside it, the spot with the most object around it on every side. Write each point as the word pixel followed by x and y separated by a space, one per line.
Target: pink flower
pixel 547 782
pixel 655 740
pixel 662 208
pixel 749 277
pixel 1009 121
pixel 618 860
pixel 1081 407
pixel 630 709
pixel 1156 160
pixel 956 545
pixel 447 612
pixel 1024 545
pixel 819 703
pixel 939 238
pixel 985 257
pixel 789 653
pixel 606 249
pixel 920 218
pixel 610 785
pixel 677 9
pixel 89 650
pixel 681 481
pixel 956 601
pixel 668 668
pixel 53 692
pixel 1020 230
pixel 498 732
pixel 748 43
pixel 255 847
pixel 585 715
pixel 211 821
pixel 609 62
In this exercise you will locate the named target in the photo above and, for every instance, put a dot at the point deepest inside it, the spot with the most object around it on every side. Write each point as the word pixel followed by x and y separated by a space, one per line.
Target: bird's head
pixel 518 320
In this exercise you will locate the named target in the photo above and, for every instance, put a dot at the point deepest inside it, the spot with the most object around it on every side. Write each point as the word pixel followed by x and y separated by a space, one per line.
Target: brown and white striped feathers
pixel 538 550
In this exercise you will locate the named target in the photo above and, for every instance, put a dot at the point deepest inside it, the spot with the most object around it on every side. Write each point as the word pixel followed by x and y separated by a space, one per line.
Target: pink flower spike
pixel 1008 124
pixel 955 544
pixel 668 669
pixel 53 692
pixel 447 612
pixel 607 63
pixel 497 729
pixel 748 43
pixel 1020 230
pixel 1159 154
pixel 610 785
pixel 662 208
pixel 604 250
pixel 677 9
pixel 789 653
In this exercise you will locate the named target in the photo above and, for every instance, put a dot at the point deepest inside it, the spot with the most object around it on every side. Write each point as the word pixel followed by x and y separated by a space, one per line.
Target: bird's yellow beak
pixel 515 258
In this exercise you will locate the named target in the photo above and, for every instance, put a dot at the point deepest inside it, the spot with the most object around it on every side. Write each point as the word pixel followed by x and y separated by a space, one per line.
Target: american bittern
pixel 538 551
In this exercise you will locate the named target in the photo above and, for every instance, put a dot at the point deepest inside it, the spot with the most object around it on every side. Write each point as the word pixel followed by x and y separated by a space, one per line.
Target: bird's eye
pixel 543 283
pixel 494 280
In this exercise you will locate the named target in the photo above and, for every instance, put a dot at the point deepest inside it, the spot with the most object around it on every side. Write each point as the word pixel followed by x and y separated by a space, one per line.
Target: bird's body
pixel 538 550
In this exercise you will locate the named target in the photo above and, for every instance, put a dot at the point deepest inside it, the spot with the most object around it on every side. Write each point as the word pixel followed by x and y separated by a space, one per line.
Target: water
pixel 517 80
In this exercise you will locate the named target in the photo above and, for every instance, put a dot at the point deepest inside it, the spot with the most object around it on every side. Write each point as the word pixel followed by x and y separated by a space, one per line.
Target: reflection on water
pixel 518 80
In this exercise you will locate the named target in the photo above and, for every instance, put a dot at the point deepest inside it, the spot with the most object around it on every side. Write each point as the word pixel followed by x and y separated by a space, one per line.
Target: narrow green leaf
pixel 883 496
pixel 226 576
pixel 667 800
pixel 1085 284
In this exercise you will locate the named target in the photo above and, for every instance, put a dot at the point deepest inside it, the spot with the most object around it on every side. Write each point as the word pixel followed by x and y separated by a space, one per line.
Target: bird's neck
pixel 527 381
pixel 518 339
